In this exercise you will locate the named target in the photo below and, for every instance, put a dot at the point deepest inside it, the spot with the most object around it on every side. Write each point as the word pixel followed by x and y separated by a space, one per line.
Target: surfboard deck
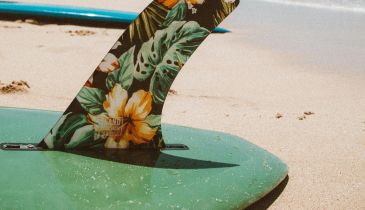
pixel 108 17
pixel 218 171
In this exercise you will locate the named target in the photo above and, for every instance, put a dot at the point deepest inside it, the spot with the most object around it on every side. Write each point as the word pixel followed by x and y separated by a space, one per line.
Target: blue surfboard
pixel 72 13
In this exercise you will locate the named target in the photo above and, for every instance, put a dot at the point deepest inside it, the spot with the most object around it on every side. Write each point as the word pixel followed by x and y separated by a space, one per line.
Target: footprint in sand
pixel 308 113
pixel 80 32
pixel 10 27
pixel 279 115
pixel 172 92
pixel 14 87
pixel 302 117
pixel 305 114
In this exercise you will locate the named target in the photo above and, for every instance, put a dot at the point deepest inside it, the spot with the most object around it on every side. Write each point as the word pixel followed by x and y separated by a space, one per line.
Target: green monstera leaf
pixel 180 46
pixel 153 120
pixel 174 44
pixel 91 100
pixel 149 56
pixel 177 13
pixel 153 51
pixel 72 123
pixel 123 75
pixel 51 137
pixel 82 137
pixel 149 21
pixel 69 126
pixel 64 129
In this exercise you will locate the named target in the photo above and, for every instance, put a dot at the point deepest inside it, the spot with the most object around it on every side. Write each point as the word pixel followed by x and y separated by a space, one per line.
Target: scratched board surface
pixel 219 171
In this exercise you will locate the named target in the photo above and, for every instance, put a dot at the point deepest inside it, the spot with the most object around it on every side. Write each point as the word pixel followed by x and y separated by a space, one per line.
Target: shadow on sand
pixel 268 200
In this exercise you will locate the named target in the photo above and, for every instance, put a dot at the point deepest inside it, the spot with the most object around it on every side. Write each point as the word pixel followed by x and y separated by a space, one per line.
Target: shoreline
pixel 317 5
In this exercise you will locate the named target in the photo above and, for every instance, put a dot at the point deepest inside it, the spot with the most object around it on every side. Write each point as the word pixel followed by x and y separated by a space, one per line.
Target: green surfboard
pixel 218 171
pixel 109 150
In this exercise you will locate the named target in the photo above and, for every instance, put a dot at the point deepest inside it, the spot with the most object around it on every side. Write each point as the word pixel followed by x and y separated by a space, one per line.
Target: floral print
pixel 125 120
pixel 108 64
pixel 168 3
pixel 120 105
pixel 171 3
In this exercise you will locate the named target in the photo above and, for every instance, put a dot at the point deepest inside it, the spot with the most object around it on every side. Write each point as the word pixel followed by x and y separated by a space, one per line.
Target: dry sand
pixel 228 85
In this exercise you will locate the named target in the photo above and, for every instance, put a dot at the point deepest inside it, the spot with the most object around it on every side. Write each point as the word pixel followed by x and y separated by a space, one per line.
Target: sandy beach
pixel 279 62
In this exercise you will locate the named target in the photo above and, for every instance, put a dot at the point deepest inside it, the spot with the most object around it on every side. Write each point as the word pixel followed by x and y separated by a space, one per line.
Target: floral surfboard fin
pixel 120 105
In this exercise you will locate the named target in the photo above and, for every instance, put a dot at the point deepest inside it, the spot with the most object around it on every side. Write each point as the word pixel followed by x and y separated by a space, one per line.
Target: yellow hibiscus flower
pixel 124 120
pixel 171 3
pixel 195 1
pixel 168 3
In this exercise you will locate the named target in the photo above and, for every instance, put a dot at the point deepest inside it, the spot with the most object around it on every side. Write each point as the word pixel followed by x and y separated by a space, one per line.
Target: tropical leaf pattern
pixel 224 11
pixel 120 105
pixel 180 45
pixel 147 23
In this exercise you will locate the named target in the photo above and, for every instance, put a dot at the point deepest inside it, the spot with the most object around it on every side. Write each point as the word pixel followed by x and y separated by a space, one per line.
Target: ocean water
pixel 319 39
pixel 348 5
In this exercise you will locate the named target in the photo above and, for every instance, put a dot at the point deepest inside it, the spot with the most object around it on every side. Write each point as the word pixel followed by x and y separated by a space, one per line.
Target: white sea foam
pixel 345 5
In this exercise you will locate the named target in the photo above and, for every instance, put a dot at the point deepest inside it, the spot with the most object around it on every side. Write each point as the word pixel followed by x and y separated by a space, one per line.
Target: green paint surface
pixel 219 171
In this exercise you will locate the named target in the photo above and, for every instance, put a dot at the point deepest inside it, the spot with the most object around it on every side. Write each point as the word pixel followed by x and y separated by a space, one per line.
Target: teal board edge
pixel 71 12
pixel 219 171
